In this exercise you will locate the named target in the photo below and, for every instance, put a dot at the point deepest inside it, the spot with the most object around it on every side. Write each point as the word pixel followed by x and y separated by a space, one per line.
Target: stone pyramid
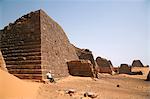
pixel 35 44
pixel 124 69
pixel 137 63
pixel 104 65
pixel 148 76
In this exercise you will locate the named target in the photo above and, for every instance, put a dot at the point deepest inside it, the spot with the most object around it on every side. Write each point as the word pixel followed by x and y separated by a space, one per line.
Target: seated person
pixel 49 76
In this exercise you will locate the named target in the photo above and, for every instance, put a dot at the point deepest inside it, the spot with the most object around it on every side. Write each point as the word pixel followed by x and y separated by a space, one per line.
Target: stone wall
pixel 81 68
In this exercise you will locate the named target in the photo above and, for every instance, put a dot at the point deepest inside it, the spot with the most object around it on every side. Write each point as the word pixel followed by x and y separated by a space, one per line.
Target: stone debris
pixel 118 85
pixel 70 91
pixel 90 94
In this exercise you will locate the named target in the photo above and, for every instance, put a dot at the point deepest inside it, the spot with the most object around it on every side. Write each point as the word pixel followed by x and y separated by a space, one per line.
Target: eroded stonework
pixel 104 65
pixel 81 68
pixel 85 54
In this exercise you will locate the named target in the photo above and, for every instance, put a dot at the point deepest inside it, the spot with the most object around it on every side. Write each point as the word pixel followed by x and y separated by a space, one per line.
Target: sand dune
pixel 13 88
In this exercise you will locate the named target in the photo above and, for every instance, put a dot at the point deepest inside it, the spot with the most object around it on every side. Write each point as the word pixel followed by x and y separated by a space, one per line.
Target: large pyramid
pixel 35 44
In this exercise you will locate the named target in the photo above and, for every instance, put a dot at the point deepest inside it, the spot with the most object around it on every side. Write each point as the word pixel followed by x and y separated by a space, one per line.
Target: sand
pixel 12 87
pixel 106 87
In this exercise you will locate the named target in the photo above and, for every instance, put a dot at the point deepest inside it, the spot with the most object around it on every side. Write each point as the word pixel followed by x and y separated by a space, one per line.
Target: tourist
pixel 50 77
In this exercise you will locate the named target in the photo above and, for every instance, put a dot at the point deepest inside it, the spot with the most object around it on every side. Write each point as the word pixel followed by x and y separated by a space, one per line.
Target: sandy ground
pixel 13 88
pixel 130 87
pixel 105 88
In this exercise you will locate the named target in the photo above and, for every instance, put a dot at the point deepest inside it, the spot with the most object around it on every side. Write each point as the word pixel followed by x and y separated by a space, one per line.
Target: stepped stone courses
pixel 137 63
pixel 35 44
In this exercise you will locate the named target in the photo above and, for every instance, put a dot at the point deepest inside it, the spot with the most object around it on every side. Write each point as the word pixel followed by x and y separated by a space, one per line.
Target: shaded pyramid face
pixel 148 76
pixel 35 44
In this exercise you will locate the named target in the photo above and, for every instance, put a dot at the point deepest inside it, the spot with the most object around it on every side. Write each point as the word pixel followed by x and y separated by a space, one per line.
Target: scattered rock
pixel 118 85
pixel 70 92
pixel 90 94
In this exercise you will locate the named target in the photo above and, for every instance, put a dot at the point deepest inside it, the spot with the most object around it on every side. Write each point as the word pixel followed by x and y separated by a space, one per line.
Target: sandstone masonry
pixel 35 44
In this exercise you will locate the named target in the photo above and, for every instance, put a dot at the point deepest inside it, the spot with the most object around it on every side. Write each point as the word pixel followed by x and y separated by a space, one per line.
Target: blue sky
pixel 118 30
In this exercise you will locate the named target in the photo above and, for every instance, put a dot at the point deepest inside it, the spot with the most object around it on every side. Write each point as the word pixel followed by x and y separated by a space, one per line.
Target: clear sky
pixel 118 30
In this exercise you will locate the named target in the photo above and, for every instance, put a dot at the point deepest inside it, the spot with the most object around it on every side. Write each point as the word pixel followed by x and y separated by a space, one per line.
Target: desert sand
pixel 12 87
pixel 130 87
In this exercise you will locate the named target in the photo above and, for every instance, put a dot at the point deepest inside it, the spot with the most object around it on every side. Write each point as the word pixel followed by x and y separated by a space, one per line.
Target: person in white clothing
pixel 50 77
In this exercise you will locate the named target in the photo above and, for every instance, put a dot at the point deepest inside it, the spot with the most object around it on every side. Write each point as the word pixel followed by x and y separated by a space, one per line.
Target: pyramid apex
pixel 40 10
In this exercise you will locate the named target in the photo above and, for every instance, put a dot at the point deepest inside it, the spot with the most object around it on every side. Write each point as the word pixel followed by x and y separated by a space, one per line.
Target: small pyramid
pixel 104 65
pixel 137 63
pixel 124 69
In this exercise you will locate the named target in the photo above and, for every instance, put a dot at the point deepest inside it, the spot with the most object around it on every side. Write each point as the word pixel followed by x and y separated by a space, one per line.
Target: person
pixel 50 77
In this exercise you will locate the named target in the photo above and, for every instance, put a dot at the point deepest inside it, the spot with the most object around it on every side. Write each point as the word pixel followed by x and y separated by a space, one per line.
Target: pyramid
pixel 137 63
pixel 124 69
pixel 148 76
pixel 104 65
pixel 35 44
